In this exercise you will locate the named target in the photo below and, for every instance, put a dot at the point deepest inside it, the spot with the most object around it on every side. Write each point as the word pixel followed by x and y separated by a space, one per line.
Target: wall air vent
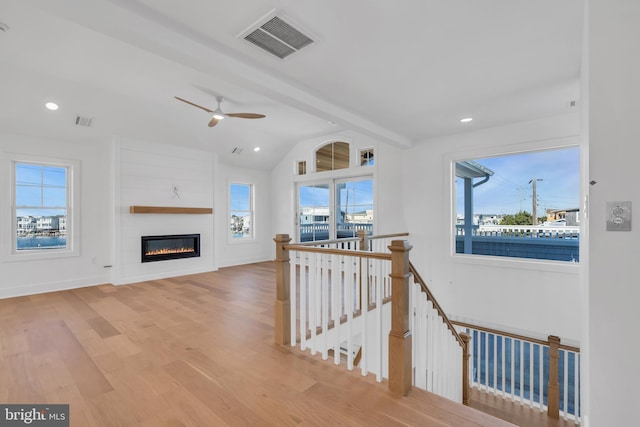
pixel 84 121
pixel 277 35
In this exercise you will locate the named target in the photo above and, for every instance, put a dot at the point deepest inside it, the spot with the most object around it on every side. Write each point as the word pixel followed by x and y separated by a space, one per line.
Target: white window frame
pixel 501 261
pixel 9 218
pixel 252 191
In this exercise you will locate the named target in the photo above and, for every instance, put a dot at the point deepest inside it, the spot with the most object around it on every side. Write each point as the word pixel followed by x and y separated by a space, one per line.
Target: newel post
pixel 553 389
pixel 363 245
pixel 400 363
pixel 282 323
pixel 465 368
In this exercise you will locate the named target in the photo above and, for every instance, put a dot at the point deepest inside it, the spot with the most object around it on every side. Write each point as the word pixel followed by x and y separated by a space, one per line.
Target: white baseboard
pixel 63 285
pixel 244 261
pixel 157 276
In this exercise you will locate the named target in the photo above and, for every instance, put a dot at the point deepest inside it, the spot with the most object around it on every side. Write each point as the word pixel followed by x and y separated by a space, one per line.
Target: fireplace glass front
pixel 162 248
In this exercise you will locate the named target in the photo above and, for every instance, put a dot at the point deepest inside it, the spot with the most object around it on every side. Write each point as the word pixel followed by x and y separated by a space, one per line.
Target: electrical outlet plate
pixel 618 216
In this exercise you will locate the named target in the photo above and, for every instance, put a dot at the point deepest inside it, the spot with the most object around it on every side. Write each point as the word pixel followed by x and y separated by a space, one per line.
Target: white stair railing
pixel 436 351
pixel 518 368
pixel 337 305
pixel 332 300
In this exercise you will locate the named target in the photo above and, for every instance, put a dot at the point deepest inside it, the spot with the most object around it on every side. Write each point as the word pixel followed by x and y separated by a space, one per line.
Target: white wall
pixel 510 294
pixel 387 177
pixel 29 277
pixel 146 174
pixel 261 247
pixel 614 268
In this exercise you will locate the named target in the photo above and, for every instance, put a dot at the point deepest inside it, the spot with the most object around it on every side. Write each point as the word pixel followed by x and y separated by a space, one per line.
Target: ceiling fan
pixel 218 115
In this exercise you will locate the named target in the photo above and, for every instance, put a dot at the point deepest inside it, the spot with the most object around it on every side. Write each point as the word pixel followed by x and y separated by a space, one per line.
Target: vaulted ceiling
pixel 401 72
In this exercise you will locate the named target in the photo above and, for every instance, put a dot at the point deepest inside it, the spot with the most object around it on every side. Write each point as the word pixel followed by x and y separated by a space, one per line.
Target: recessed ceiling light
pixel 51 106
pixel 256 149
pixel 466 120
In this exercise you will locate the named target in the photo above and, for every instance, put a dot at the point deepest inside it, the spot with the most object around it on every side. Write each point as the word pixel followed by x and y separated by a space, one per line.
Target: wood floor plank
pixel 87 377
pixel 195 350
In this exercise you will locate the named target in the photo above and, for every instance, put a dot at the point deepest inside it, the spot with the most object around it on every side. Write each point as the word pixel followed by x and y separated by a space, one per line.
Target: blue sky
pixel 240 199
pixel 40 186
pixel 508 190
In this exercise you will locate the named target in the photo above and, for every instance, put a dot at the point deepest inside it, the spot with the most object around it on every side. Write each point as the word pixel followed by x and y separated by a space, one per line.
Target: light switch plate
pixel 618 216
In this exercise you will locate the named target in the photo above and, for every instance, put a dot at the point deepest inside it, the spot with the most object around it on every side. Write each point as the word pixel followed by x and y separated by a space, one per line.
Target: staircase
pixel 362 302
pixel 362 296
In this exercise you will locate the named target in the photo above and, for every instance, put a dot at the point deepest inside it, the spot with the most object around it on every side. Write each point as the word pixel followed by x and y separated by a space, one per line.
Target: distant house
pixel 364 217
pixel 26 225
pixel 48 223
pixel 570 215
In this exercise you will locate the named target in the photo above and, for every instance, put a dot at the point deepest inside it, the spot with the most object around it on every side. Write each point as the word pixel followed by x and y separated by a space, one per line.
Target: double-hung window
pixel 241 216
pixel 43 196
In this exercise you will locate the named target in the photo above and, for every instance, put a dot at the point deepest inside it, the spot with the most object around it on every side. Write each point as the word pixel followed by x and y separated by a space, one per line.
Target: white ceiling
pixel 402 71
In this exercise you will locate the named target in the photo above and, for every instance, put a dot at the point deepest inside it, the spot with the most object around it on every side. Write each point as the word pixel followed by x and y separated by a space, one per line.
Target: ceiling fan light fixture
pixel 218 114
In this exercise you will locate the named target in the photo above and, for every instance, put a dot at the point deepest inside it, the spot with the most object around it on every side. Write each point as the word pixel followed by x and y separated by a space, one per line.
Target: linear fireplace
pixel 162 248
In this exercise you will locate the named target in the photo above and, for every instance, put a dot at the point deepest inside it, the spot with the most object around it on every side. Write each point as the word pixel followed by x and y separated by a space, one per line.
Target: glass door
pixel 335 209
pixel 354 207
pixel 314 213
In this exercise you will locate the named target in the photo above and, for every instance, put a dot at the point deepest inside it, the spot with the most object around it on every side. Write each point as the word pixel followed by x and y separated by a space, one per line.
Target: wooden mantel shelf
pixel 168 210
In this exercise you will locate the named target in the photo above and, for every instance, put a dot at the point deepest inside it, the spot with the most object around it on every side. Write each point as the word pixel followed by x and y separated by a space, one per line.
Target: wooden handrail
pixel 514 336
pixel 418 279
pixel 387 236
pixel 331 251
pixel 327 242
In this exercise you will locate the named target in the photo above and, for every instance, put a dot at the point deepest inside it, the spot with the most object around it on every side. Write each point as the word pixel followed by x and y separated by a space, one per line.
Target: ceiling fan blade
pixel 195 105
pixel 246 115
pixel 213 122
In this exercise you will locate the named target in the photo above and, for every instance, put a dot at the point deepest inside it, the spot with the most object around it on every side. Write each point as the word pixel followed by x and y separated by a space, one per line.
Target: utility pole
pixel 534 201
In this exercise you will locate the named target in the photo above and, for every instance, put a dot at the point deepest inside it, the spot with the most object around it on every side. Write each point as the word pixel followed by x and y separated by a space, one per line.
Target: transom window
pixel 332 156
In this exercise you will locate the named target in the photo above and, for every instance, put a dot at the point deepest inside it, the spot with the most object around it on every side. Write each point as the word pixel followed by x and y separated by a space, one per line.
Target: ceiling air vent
pixel 236 150
pixel 277 35
pixel 84 121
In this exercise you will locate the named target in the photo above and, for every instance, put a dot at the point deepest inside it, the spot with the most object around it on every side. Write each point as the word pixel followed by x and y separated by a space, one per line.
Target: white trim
pixel 164 275
pixel 8 227
pixel 63 285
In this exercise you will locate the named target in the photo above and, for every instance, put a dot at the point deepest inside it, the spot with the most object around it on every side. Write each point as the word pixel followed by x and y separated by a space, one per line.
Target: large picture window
pixel 241 223
pixel 42 194
pixel 523 205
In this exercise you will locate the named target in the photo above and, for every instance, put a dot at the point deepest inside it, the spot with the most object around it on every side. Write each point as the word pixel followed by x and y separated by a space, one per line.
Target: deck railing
pixel 523 231
pixel 543 374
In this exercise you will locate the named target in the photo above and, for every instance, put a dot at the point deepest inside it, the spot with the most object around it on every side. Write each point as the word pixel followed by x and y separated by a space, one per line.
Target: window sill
pixel 528 264
pixel 39 255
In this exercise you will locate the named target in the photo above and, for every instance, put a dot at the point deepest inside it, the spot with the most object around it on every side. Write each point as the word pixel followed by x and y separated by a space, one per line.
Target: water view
pixel 41 242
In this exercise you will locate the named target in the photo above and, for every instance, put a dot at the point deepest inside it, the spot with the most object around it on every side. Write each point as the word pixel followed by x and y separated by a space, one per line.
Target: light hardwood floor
pixel 190 351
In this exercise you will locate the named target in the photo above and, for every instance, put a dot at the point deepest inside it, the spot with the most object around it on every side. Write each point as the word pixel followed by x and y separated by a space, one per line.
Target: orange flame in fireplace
pixel 169 251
